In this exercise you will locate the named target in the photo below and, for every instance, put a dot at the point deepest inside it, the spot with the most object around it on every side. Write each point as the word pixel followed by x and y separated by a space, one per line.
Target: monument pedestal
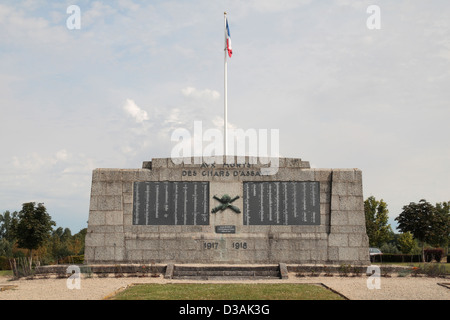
pixel 223 212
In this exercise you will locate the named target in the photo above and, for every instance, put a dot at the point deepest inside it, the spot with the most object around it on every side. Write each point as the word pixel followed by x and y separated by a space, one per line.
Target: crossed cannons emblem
pixel 225 203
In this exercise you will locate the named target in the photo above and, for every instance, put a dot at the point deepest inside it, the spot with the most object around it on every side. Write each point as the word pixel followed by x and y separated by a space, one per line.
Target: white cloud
pixel 353 4
pixel 218 123
pixel 29 30
pixel 96 13
pixel 200 94
pixel 133 110
pixel 174 117
pixel 128 5
pixel 61 180
pixel 59 163
pixel 276 6
pixel 62 155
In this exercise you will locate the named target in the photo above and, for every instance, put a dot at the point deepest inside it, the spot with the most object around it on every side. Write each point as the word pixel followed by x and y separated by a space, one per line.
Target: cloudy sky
pixel 109 94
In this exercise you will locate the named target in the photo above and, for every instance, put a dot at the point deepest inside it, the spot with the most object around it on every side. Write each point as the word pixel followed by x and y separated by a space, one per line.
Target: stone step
pixel 226 272
pixel 220 278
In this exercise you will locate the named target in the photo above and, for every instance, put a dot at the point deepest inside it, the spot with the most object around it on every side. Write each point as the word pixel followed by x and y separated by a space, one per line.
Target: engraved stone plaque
pixel 171 203
pixel 225 229
pixel 281 203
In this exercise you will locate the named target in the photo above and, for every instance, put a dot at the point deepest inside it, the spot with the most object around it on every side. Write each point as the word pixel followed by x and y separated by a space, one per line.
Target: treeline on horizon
pixel 32 233
pixel 421 225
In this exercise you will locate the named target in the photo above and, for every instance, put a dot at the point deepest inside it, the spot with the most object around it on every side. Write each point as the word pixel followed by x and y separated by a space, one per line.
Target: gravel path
pixel 354 288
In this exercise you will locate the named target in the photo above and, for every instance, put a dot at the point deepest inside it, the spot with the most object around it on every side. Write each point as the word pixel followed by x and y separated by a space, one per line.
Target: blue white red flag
pixel 229 49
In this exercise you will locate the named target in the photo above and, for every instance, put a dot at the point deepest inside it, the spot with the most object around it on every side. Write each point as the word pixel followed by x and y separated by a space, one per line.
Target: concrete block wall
pixel 340 237
pixel 347 239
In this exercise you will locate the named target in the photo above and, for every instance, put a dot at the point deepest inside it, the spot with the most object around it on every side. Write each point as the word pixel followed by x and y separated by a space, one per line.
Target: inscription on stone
pixel 171 203
pixel 281 203
pixel 225 229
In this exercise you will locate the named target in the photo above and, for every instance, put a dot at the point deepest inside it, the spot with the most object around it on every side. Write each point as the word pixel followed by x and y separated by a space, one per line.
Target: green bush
pixel 72 259
pixel 78 259
pixel 387 257
pixel 344 270
pixel 434 270
pixel 433 254
pixel 4 263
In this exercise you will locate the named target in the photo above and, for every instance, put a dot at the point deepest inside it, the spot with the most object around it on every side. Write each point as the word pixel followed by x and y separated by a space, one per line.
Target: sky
pixel 110 93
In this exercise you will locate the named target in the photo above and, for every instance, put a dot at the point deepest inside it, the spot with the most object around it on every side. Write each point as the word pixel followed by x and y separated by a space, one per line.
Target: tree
pixel 77 245
pixel 441 231
pixel 34 226
pixel 60 243
pixel 63 244
pixel 8 223
pixel 416 218
pixel 377 227
pixel 406 242
pixel 427 223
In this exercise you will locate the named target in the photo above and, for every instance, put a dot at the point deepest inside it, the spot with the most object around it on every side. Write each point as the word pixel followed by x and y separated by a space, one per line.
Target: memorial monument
pixel 226 212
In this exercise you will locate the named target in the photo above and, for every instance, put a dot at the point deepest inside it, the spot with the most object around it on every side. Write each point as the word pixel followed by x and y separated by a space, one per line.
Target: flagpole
pixel 225 107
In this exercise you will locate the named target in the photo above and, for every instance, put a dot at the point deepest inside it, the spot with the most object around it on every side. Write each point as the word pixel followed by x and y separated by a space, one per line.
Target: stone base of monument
pixel 226 211
pixel 207 271
pixel 171 271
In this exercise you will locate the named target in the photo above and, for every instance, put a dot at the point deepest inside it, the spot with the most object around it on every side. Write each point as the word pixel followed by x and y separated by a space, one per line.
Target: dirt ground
pixel 353 288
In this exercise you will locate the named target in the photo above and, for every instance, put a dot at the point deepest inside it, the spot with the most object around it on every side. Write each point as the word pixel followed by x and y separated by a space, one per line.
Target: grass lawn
pixel 4 273
pixel 227 292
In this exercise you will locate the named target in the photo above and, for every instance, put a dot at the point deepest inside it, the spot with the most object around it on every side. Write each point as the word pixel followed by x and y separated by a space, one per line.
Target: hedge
pixel 388 257
pixel 72 259
pixel 433 254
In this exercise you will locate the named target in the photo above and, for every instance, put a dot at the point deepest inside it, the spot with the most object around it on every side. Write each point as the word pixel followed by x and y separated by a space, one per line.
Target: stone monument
pixel 226 212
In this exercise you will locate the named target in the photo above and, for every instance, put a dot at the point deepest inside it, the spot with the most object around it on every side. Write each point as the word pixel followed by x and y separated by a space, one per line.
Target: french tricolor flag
pixel 227 34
